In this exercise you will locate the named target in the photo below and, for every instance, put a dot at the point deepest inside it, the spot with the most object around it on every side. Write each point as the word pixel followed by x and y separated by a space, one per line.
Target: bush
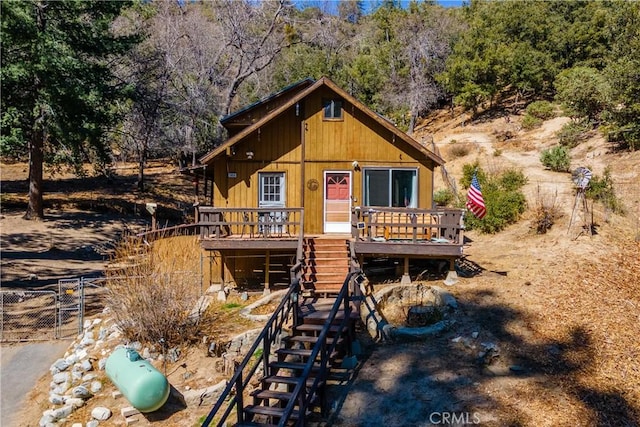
pixel 148 302
pixel 502 196
pixel 556 158
pixel 443 197
pixel 572 133
pixel 530 122
pixel 601 189
pixel 542 110
pixel 460 149
pixel 545 213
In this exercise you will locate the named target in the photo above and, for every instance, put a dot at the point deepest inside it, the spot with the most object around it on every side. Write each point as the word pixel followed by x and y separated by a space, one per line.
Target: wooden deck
pixel 401 232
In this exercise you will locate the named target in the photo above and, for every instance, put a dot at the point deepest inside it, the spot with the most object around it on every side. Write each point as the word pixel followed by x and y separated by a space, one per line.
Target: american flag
pixel 475 201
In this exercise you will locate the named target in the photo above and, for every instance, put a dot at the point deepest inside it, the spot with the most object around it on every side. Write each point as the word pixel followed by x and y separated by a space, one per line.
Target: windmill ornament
pixel 581 177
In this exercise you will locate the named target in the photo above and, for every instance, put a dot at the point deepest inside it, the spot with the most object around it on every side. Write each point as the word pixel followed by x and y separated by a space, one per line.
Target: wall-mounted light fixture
pixel 249 155
pixel 356 165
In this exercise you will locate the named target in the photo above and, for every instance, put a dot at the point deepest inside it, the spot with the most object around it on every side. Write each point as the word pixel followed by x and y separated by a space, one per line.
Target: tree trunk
pixel 35 209
pixel 141 162
pixel 412 124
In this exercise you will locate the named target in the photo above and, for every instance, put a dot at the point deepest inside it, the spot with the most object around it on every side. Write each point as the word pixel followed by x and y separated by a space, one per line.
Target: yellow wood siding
pixel 329 145
pixel 336 144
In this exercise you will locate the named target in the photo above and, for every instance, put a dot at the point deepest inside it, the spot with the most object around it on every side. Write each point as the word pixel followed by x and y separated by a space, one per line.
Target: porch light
pixel 249 155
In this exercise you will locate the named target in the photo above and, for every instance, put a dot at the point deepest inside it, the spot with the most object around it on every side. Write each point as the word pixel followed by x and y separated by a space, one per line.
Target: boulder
pixel 101 413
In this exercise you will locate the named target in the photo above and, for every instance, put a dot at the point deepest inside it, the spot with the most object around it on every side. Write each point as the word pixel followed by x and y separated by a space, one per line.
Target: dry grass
pixel 545 212
pixel 459 149
pixel 152 298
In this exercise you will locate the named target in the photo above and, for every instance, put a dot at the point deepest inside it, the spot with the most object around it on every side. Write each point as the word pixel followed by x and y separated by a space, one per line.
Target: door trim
pixel 336 227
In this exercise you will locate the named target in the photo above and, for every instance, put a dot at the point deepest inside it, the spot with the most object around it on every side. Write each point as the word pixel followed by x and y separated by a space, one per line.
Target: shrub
pixel 512 179
pixel 443 197
pixel 502 196
pixel 540 109
pixel 601 189
pixel 148 301
pixel 545 213
pixel 460 149
pixel 556 158
pixel 530 122
pixel 572 133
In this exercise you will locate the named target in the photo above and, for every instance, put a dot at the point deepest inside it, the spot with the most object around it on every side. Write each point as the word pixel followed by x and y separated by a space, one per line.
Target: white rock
pixel 81 392
pixel 72 358
pixel 97 321
pixel 59 366
pixel 76 425
pixel 82 353
pixel 96 386
pixel 61 377
pixel 102 333
pixel 56 399
pixel 101 413
pixel 115 335
pixel 93 423
pixel 86 365
pixel 47 419
pixel 76 376
pixel 63 412
pixel 89 377
pixel 61 388
pixel 87 324
pixel 76 402
pixel 101 364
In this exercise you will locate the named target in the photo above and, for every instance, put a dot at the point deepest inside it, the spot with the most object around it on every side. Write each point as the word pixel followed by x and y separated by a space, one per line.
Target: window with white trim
pixel 271 189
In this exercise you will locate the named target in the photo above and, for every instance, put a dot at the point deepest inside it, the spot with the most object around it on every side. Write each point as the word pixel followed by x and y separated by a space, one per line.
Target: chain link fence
pixel 29 315
pixel 37 315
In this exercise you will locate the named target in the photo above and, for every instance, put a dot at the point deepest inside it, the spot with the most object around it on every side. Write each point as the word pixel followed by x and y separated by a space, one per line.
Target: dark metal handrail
pixel 301 396
pixel 287 307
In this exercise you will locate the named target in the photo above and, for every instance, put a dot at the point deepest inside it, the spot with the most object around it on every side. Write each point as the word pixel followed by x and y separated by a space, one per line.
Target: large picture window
pixel 271 189
pixel 391 187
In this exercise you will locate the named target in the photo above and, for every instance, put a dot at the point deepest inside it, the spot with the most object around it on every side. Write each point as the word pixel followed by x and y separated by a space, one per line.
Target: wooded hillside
pixel 93 82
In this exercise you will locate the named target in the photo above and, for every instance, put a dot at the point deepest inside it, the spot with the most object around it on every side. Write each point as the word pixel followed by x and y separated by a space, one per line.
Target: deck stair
pixel 290 387
pixel 325 265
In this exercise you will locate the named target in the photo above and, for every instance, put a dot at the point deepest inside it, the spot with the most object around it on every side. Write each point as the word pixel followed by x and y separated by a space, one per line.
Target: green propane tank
pixel 142 384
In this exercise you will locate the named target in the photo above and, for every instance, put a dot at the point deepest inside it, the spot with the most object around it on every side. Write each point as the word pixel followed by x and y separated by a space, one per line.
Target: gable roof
pixel 299 85
pixel 324 81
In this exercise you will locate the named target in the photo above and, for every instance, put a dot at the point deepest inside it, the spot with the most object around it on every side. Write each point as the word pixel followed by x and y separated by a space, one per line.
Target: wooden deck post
pixel 267 261
pixel 406 279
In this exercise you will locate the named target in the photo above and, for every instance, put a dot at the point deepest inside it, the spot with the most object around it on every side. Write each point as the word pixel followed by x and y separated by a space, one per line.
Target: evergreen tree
pixel 57 85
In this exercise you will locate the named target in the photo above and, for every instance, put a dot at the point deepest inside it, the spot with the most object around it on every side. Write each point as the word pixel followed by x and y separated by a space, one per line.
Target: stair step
pixel 312 340
pixel 279 379
pixel 309 327
pixel 270 411
pixel 271 394
pixel 302 352
pixel 254 424
pixel 294 352
pixel 294 366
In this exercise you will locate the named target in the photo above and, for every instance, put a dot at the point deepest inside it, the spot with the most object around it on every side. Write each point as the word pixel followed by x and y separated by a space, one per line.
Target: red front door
pixel 337 206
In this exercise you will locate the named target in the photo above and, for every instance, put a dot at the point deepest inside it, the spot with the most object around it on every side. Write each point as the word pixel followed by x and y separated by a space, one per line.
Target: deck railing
pixel 376 224
pixel 250 223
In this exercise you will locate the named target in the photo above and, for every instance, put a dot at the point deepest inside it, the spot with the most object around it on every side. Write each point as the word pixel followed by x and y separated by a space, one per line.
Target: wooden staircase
pixel 285 384
pixel 325 265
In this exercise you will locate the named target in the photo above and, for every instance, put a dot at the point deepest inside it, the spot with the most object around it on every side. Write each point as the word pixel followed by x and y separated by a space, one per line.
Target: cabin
pixel 311 177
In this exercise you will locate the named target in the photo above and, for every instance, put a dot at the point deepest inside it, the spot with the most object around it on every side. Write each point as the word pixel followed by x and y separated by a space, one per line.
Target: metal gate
pixel 28 315
pixel 70 307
